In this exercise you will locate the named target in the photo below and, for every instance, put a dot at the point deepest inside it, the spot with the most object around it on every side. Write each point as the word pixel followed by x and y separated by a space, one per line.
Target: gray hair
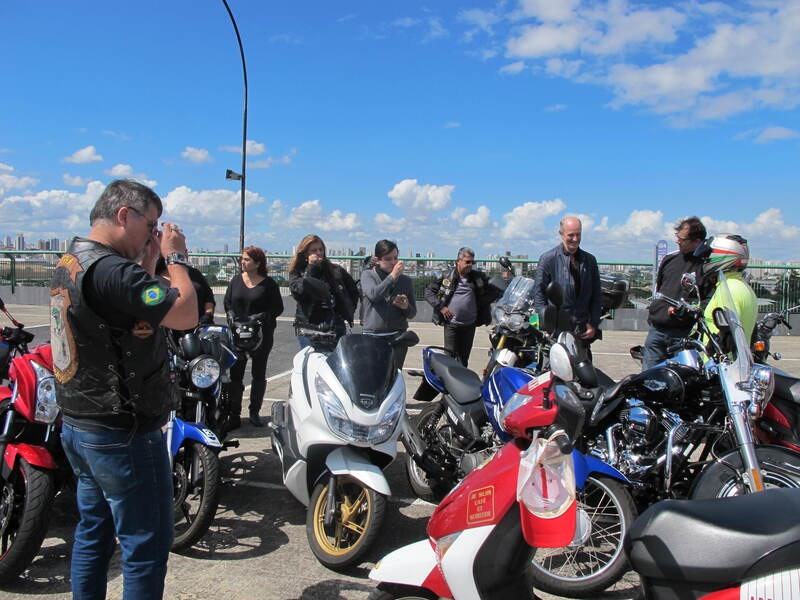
pixel 564 219
pixel 124 192
pixel 464 251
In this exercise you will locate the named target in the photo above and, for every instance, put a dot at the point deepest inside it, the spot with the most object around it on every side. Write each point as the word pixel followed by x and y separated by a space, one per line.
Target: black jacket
pixel 438 293
pixel 321 296
pixel 668 282
pixel 554 266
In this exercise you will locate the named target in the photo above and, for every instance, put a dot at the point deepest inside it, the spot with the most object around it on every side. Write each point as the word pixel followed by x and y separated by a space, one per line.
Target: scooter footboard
pixel 346 461
pixel 409 565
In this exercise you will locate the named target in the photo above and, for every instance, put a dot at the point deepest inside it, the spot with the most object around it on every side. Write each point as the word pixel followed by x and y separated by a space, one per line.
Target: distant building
pixel 20 242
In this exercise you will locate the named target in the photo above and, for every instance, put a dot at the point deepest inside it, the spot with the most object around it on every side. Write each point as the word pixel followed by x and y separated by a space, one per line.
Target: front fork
pixel 747 449
pixel 330 504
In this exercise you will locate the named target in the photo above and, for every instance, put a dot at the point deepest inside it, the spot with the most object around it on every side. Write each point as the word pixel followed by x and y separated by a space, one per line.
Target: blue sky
pixel 435 124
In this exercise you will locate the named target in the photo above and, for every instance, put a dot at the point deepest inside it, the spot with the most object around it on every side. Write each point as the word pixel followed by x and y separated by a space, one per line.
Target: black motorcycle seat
pixel 461 383
pixel 787 386
pixel 603 403
pixel 723 541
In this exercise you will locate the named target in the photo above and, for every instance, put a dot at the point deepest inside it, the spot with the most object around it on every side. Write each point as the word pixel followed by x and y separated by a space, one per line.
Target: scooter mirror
pixel 554 294
pixel 505 263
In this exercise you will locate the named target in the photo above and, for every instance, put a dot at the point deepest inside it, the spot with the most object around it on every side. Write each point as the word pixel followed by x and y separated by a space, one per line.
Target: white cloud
pixel 555 108
pixel 84 155
pixel 766 228
pixel 405 22
pixel 270 161
pixel 311 214
pixel 5 167
pixel 120 170
pixel 390 224
pixel 477 220
pixel 253 148
pixel 524 218
pixel 75 180
pixel 117 134
pixel 452 125
pixel 639 224
pixel 482 21
pixel 196 155
pixel 50 211
pixel 10 182
pixel 544 40
pixel 550 10
pixel 220 207
pixel 771 134
pixel 512 68
pixel 422 199
pixel 4 151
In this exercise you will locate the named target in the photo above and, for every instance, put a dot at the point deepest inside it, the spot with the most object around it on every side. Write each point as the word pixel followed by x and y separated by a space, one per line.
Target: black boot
pixel 235 392
pixel 257 389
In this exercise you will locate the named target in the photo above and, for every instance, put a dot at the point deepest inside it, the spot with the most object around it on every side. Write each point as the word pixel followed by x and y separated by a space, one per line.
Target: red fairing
pixel 729 594
pixel 531 414
pixel 773 414
pixel 22 372
pixel 436 583
pixel 482 498
pixel 35 455
pixel 5 392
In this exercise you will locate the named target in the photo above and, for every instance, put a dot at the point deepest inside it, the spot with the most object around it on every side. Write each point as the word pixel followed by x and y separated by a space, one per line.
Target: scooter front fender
pixel 413 565
pixel 35 455
pixel 586 465
pixel 346 461
pixel 195 431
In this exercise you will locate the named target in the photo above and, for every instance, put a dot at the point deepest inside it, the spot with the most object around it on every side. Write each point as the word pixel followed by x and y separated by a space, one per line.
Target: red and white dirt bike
pixel 33 464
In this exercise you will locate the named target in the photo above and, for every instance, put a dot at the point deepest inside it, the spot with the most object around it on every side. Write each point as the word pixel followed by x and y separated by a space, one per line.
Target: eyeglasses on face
pixel 152 225
pixel 467 261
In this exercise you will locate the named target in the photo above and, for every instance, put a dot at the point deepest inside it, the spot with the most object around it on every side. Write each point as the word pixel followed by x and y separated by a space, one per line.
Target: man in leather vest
pixel 113 385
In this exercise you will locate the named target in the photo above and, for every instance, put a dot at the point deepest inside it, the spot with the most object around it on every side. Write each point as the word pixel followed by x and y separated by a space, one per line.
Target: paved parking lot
pixel 256 548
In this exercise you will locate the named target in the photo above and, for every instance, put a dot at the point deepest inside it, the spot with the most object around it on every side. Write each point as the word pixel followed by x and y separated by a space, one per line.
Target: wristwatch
pixel 176 258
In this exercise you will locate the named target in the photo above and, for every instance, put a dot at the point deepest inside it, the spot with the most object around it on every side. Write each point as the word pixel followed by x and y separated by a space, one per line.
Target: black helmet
pixel 247 334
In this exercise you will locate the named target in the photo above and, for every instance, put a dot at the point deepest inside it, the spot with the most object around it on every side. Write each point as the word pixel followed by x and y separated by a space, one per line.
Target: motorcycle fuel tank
pixel 666 385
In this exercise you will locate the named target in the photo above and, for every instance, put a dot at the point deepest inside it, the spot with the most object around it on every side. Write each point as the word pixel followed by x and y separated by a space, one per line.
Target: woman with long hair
pixel 387 297
pixel 325 293
pixel 250 293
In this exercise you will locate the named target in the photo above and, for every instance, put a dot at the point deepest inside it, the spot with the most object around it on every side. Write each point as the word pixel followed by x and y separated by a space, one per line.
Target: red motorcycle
pixel 33 465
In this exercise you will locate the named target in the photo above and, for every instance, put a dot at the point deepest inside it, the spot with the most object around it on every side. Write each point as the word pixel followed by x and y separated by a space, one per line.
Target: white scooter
pixel 336 434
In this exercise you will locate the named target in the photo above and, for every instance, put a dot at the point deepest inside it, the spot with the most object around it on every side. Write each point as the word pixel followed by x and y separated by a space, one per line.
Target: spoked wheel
pixel 389 591
pixel 195 475
pixel 595 559
pixel 25 501
pixel 723 479
pixel 356 520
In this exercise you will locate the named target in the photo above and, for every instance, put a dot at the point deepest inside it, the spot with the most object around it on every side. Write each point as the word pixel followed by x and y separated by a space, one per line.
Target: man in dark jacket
pixel 667 325
pixel 107 315
pixel 461 302
pixel 575 270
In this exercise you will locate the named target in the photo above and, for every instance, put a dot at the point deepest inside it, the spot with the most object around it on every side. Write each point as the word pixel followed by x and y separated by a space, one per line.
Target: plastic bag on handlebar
pixel 546 493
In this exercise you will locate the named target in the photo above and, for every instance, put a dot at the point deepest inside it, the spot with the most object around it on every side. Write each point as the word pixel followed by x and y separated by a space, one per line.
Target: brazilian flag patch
pixel 153 295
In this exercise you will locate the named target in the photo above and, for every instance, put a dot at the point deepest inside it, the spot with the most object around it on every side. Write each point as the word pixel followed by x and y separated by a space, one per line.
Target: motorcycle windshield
pixel 518 297
pixel 363 365
pixel 743 361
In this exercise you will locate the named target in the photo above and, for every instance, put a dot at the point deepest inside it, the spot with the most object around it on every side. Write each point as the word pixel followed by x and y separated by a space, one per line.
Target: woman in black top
pixel 326 295
pixel 248 294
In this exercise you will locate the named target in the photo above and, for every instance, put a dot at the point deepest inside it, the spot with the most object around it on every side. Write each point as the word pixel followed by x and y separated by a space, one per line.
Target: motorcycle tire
pixel 584 570
pixel 358 517
pixel 780 468
pixel 195 504
pixel 423 487
pixel 389 591
pixel 26 498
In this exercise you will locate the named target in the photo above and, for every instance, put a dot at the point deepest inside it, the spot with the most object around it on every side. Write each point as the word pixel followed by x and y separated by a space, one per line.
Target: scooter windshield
pixel 363 365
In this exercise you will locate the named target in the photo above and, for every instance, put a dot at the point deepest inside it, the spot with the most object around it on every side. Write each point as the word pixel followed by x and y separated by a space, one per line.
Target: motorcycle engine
pixel 639 424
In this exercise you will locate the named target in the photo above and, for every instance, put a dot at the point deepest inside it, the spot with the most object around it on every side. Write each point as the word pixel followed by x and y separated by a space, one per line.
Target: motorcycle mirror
pixel 689 283
pixel 554 294
pixel 505 263
pixel 407 338
pixel 720 319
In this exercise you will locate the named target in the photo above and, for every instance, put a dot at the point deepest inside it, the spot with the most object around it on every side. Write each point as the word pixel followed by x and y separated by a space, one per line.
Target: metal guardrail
pixel 777 286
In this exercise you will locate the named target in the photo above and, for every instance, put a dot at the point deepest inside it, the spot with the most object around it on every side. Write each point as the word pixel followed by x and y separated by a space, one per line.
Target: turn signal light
pixel 759 346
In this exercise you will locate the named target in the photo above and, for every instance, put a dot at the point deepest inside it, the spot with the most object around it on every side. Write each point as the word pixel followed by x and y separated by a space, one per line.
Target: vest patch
pixel 153 295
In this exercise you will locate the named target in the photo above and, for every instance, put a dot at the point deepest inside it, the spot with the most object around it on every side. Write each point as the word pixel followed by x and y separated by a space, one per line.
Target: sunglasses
pixel 469 262
pixel 152 225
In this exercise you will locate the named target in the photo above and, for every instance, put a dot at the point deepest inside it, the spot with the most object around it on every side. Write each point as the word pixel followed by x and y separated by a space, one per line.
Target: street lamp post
pixel 231 174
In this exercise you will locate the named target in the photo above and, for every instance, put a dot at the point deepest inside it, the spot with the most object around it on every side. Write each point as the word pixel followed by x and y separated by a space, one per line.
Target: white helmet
pixel 723 252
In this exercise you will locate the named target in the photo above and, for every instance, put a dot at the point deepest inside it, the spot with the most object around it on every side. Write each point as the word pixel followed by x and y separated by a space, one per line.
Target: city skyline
pixel 478 124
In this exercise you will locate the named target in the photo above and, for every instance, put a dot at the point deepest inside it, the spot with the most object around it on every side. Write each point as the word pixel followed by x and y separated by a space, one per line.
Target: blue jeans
pixel 125 492
pixel 656 344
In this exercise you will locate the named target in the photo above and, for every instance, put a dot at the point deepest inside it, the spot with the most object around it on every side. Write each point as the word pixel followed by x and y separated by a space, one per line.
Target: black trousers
pixel 458 339
pixel 258 371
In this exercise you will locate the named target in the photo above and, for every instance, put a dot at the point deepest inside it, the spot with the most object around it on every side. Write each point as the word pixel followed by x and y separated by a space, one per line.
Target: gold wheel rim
pixel 351 518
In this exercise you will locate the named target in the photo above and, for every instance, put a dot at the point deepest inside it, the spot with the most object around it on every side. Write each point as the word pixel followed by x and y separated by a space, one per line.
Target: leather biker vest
pixel 100 369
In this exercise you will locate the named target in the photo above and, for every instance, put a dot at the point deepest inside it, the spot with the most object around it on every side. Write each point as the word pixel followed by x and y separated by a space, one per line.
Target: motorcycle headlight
pixel 760 384
pixel 46 407
pixel 204 372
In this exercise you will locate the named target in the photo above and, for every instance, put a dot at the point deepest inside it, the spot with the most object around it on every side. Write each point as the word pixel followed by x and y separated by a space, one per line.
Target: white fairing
pixel 506 358
pixel 560 363
pixel 346 461
pixel 459 560
pixel 409 565
pixel 777 586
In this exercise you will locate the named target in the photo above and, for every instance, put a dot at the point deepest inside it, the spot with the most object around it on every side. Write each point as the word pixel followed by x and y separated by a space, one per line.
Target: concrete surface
pixel 256 548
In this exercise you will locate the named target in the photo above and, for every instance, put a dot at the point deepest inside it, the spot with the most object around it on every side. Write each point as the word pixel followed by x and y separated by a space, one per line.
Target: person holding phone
pixel 387 296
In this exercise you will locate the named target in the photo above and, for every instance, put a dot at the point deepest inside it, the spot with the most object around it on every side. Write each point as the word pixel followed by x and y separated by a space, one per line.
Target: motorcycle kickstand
pixel 330 504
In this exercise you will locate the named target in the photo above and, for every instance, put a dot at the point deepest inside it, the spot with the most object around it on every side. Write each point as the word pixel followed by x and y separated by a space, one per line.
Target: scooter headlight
pixel 204 371
pixel 46 407
pixel 377 434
